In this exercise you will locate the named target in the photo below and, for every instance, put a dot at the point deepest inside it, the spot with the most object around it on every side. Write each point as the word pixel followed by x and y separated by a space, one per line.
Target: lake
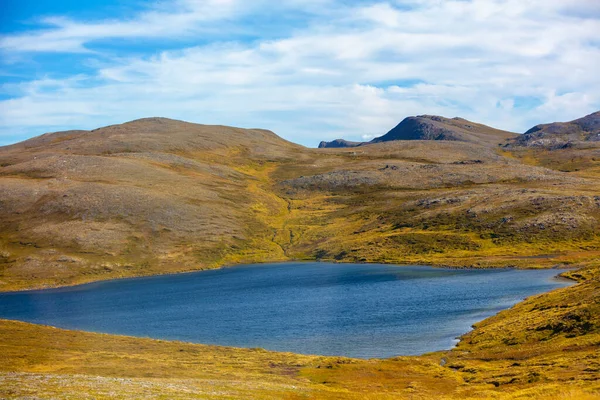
pixel 355 310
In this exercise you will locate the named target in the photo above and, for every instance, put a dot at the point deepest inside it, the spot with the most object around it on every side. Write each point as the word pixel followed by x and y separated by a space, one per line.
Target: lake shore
pixel 87 279
pixel 498 359
pixel 354 310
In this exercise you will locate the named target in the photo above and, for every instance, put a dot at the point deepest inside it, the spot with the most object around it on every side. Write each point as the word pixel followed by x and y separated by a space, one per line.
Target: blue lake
pixel 356 310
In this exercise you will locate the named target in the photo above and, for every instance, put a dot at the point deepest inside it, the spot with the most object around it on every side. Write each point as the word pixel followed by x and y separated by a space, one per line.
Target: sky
pixel 309 70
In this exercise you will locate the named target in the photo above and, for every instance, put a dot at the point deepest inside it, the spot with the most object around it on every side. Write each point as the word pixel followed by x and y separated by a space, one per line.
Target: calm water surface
pixel 357 310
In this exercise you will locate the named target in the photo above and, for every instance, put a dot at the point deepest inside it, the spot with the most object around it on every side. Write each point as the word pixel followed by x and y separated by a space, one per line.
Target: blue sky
pixel 309 70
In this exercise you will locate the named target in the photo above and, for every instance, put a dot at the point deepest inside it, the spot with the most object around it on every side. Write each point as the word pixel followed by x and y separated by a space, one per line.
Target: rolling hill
pixel 155 196
pixel 149 196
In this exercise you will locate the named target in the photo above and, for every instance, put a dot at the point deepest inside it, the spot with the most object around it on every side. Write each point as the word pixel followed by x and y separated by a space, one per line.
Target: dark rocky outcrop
pixel 560 135
pixel 338 143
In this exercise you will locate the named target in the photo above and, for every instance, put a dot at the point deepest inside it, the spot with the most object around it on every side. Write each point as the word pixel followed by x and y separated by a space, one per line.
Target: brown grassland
pixel 158 196
pixel 543 348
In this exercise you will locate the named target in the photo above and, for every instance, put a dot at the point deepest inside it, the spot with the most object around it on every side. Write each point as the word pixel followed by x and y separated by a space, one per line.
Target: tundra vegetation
pixel 157 196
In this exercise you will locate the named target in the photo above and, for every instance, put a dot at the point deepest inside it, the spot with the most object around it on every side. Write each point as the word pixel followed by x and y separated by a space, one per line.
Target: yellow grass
pixel 544 348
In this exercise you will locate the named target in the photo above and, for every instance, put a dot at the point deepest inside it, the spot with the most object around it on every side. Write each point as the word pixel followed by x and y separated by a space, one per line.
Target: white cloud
pixel 342 72
pixel 180 17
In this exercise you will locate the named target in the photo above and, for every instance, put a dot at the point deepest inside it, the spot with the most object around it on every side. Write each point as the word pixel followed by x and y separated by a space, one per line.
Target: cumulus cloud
pixel 337 71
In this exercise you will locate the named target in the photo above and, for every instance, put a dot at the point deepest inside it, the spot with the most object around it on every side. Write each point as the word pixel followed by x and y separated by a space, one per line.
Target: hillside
pixel 146 197
pixel 155 196
pixel 559 135
pixel 338 143
pixel 432 127
pixel 446 203
pixel 572 147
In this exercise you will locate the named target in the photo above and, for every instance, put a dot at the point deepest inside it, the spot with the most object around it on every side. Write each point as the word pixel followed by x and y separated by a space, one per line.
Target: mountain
pixel 431 127
pixel 337 143
pixel 155 196
pixel 563 134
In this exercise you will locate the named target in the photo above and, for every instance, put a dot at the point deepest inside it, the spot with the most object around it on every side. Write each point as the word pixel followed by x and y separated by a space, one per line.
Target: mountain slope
pixel 572 147
pixel 338 143
pixel 563 134
pixel 156 134
pixel 431 127
pixel 155 196
pixel 148 196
